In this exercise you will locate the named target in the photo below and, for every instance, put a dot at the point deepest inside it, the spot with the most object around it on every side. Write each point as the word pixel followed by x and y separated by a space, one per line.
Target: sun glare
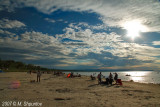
pixel 134 28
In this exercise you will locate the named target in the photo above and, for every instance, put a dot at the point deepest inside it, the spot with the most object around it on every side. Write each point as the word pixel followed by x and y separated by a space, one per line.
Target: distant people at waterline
pixel 29 72
pixel 71 75
pixel 58 73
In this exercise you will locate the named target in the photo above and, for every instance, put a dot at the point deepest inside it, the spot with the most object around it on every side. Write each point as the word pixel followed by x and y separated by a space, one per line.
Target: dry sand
pixel 59 91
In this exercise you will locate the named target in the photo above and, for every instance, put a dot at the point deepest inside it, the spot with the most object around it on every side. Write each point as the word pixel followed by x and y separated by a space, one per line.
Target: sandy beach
pixel 60 91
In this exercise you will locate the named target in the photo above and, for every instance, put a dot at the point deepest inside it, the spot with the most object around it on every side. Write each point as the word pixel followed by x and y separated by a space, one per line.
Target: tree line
pixel 17 66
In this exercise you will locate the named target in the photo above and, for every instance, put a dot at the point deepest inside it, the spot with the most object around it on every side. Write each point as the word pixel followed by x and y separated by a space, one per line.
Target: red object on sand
pixel 119 81
pixel 15 84
pixel 68 75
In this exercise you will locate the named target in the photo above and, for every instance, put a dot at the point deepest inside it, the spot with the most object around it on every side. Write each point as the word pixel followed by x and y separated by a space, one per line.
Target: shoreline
pixel 89 76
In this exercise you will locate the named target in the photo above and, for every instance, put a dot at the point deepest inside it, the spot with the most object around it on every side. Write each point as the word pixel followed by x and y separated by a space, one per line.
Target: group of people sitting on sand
pixel 109 79
pixel 58 73
pixel 71 75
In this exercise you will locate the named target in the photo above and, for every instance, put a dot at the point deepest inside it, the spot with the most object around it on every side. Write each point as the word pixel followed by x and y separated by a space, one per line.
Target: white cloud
pixel 156 42
pixel 94 27
pixel 135 51
pixel 5 23
pixel 82 42
pixel 60 20
pixel 79 62
pixel 50 20
pixel 113 12
pixel 6 32
pixel 62 65
pixel 52 47
pixel 113 43
pixel 43 44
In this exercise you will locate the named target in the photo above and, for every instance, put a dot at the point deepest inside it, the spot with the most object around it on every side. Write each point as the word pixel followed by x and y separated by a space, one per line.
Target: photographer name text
pixel 21 104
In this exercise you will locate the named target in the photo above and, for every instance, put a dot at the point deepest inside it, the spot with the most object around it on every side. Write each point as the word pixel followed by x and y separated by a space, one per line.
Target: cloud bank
pixel 83 48
pixel 5 23
pixel 113 12
pixel 80 45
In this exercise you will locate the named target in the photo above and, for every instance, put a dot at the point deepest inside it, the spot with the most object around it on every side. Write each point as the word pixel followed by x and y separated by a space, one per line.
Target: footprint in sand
pixel 50 90
pixel 62 99
pixel 36 91
pixel 139 91
pixel 63 90
pixel 148 97
pixel 130 94
pixel 95 93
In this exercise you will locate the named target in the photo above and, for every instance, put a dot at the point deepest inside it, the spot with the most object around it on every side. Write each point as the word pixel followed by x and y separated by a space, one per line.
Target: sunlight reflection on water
pixel 136 76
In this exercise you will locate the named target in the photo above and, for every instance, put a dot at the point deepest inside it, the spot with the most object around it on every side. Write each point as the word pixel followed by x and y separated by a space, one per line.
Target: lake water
pixel 136 76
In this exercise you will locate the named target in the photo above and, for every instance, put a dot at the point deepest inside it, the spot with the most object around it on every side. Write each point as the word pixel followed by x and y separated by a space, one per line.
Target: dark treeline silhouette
pixel 16 66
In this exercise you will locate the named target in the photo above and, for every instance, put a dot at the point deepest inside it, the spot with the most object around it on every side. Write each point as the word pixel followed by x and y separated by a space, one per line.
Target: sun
pixel 134 28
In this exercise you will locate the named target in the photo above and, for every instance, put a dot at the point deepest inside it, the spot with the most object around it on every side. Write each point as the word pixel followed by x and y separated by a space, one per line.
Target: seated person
pixel 107 81
pixel 110 81
pixel 92 77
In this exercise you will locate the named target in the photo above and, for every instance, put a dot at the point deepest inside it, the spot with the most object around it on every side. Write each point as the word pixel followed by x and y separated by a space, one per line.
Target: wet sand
pixel 60 91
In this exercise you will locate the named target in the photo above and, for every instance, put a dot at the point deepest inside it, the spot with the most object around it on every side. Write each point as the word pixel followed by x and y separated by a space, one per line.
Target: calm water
pixel 136 76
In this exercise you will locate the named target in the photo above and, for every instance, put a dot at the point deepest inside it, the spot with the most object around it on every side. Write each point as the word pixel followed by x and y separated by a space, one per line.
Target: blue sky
pixel 80 34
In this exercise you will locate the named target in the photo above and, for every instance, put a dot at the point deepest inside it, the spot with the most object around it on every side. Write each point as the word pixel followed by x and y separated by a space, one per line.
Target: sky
pixel 82 34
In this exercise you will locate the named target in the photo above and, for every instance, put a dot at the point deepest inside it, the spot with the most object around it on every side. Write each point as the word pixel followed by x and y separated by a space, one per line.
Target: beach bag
pixel 119 81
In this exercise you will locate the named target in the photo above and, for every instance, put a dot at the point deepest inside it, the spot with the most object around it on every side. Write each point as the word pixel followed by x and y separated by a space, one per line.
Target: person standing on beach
pixel 30 72
pixel 38 76
pixel 110 78
pixel 99 78
pixel 116 77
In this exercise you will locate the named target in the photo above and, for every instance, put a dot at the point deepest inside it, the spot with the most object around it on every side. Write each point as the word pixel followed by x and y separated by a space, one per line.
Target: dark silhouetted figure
pixel 71 75
pixel 99 78
pixel 38 76
pixel 92 77
pixel 116 77
pixel 110 78
pixel 30 72
pixel 107 81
